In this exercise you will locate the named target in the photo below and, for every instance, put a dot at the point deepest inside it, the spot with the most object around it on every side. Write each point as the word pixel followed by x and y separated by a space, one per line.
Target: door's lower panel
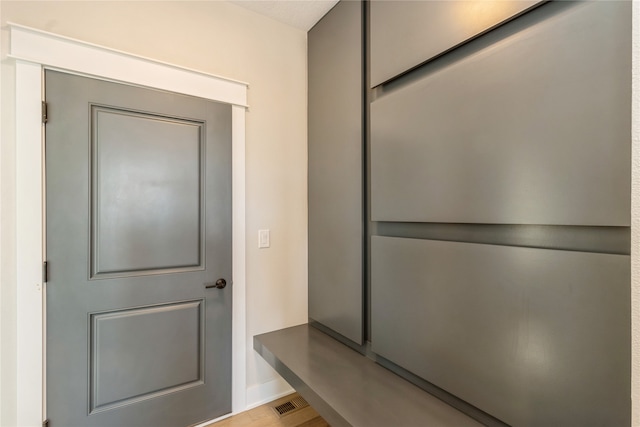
pixel 138 354
pixel 532 336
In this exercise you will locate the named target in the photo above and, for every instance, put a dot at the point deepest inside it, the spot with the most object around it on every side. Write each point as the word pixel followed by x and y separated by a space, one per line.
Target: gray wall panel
pixel 335 171
pixel 533 127
pixel 404 34
pixel 608 240
pixel 534 337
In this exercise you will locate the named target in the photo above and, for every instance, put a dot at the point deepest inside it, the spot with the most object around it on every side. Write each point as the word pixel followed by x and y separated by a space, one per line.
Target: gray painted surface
pixel 347 388
pixel 336 171
pixel 172 351
pixel 609 240
pixel 405 34
pixel 530 124
pixel 126 221
pixel 133 337
pixel 534 337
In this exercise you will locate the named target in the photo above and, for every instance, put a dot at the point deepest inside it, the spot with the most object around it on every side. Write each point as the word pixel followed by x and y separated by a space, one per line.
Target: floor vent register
pixel 290 406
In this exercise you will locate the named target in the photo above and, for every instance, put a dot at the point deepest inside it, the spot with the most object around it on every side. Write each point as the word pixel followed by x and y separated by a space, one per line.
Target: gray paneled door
pixel 138 233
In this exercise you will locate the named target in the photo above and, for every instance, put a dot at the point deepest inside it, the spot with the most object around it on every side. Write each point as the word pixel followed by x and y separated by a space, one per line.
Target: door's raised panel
pixel 146 352
pixel 533 337
pixel 405 34
pixel 335 171
pixel 532 127
pixel 146 193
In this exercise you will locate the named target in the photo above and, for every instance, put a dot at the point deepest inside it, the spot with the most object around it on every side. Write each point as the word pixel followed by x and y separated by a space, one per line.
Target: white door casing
pixel 33 51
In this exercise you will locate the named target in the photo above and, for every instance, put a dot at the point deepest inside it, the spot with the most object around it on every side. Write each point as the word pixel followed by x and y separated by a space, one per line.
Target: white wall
pixel 218 38
pixel 8 295
pixel 1 240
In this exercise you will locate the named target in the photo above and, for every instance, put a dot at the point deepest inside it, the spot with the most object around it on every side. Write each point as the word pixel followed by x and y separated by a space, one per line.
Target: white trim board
pixel 260 394
pixel 52 50
pixel 266 392
pixel 33 51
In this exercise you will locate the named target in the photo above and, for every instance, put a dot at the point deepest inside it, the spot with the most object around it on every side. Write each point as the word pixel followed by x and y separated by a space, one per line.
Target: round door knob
pixel 221 283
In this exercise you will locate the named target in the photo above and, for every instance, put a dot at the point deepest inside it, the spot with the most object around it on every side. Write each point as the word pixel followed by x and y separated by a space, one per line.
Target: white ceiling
pixel 302 14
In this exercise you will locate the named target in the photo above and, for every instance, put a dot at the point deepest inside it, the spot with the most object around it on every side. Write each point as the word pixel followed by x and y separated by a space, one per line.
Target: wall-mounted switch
pixel 263 239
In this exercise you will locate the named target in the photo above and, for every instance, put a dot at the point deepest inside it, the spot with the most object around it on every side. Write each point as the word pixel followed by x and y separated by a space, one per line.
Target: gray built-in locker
pixel 525 129
pixel 336 171
pixel 498 180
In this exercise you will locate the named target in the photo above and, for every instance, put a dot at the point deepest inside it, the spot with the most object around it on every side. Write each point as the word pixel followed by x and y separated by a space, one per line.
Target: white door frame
pixel 33 51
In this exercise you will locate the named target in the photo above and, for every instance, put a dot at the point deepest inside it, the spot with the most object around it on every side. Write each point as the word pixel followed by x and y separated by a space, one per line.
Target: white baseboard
pixel 259 395
pixel 264 393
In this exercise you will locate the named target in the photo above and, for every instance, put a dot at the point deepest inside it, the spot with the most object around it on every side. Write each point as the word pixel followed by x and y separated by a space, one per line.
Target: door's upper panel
pixel 146 194
pixel 405 34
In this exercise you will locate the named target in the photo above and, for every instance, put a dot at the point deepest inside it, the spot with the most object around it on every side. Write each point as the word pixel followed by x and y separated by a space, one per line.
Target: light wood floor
pixel 266 416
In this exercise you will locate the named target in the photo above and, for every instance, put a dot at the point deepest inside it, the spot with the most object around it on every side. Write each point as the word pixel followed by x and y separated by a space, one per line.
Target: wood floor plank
pixel 315 422
pixel 266 416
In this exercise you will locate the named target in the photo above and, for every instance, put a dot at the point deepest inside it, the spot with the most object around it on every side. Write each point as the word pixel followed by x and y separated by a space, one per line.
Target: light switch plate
pixel 264 240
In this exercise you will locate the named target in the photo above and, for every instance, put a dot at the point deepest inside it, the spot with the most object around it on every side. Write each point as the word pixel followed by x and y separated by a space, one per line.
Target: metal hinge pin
pixel 45 272
pixel 45 116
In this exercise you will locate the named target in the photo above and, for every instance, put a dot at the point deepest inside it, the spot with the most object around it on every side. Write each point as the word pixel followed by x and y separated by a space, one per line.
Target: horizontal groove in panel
pixel 405 34
pixel 608 240
pixel 471 47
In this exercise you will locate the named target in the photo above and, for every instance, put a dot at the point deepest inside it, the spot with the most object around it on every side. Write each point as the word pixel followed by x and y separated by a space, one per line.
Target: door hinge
pixel 45 423
pixel 45 272
pixel 45 115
